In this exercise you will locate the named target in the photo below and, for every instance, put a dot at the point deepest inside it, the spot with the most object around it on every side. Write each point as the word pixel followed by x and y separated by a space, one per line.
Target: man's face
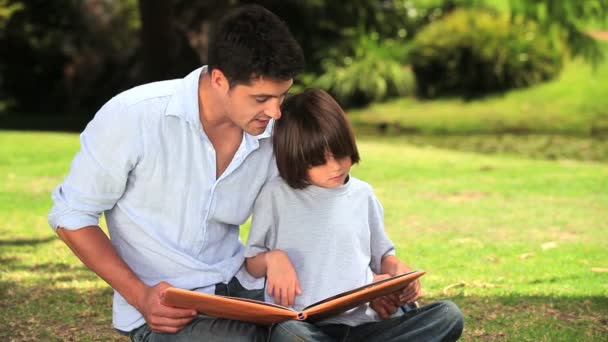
pixel 251 106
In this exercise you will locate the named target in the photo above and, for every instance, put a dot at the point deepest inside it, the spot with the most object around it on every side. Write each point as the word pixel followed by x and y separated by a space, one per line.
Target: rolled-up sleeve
pixel 381 245
pixel 109 149
pixel 262 237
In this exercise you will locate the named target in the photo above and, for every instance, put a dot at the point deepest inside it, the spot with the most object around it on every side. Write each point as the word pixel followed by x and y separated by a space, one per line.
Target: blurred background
pixel 482 125
pixel 436 67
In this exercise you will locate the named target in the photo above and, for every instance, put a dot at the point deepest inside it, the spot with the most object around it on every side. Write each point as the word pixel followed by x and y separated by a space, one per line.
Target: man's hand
pixel 281 279
pixel 162 318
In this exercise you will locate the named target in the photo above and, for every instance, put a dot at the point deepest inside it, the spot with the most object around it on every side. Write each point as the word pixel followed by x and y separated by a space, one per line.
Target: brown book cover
pixel 258 312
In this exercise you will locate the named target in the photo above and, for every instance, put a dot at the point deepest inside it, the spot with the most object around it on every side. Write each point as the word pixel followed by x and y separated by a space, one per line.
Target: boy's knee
pixel 452 318
pixel 290 330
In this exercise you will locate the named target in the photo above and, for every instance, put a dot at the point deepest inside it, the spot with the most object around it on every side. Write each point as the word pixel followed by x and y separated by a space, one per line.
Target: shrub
pixel 373 71
pixel 472 52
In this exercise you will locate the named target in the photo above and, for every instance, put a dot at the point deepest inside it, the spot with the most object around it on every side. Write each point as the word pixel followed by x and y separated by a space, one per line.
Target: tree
pixel 568 19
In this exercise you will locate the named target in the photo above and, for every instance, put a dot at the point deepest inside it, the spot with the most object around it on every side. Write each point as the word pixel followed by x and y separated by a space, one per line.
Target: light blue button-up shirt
pixel 146 163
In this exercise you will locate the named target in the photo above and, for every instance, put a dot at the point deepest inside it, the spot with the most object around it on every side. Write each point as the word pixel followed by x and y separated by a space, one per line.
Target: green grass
pixel 517 243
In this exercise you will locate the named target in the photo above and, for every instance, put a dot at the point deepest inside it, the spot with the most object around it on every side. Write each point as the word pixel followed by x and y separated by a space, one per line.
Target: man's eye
pixel 261 99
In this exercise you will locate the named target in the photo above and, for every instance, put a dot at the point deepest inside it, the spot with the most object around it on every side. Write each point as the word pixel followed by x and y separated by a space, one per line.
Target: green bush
pixel 373 70
pixel 473 52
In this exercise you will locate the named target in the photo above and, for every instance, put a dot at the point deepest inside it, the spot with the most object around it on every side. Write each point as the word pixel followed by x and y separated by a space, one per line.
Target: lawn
pixel 519 244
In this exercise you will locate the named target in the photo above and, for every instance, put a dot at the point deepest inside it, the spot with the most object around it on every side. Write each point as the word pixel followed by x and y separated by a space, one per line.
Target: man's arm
pixel 92 246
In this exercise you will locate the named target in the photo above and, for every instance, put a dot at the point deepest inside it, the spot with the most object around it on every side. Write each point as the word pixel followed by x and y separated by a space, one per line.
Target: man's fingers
pixel 159 322
pixel 175 313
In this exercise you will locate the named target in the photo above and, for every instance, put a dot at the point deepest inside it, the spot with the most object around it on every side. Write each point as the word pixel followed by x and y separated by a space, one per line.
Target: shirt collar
pixel 184 104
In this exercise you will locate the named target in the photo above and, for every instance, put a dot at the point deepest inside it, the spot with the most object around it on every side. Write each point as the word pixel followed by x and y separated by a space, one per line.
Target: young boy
pixel 317 231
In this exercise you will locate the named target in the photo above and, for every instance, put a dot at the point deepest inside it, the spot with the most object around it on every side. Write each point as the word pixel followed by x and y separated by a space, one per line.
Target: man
pixel 175 166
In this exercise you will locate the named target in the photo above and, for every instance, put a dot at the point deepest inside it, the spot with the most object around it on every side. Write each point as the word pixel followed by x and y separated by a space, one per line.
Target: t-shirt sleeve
pixel 381 245
pixel 262 235
pixel 109 150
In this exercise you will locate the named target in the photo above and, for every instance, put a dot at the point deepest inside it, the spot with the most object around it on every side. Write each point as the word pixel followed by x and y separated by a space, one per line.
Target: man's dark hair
pixel 312 125
pixel 252 42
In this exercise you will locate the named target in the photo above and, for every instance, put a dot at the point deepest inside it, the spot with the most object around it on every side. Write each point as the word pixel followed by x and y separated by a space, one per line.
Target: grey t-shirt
pixel 334 237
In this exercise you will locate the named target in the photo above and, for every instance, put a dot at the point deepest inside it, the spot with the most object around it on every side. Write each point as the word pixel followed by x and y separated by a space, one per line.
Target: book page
pixel 353 298
pixel 240 309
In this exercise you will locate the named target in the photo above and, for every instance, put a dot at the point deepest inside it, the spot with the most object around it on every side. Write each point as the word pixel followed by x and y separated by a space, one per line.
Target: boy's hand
pixel 411 292
pixel 281 279
pixel 388 305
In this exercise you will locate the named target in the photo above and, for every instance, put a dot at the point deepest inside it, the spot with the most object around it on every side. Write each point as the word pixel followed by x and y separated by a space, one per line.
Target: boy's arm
pixel 281 279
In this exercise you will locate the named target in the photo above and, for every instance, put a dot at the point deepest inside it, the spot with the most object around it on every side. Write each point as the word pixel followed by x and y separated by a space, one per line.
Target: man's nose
pixel 274 109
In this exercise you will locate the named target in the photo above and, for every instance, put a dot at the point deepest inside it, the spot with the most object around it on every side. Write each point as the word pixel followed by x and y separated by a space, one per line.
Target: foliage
pixel 372 71
pixel 573 104
pixel 472 52
pixel 60 53
pixel 568 18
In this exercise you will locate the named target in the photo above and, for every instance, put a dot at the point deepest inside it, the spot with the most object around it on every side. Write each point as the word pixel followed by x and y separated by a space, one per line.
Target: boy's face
pixel 251 106
pixel 331 174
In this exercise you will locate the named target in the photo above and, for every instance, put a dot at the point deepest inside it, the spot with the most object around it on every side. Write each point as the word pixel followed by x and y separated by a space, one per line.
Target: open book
pixel 258 312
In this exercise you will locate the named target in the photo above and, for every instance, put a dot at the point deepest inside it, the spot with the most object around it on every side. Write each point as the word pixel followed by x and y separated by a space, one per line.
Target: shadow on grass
pixel 42 273
pixel 534 318
pixel 54 312
pixel 26 242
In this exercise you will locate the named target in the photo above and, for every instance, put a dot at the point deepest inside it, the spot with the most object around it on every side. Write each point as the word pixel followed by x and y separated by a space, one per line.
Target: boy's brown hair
pixel 312 124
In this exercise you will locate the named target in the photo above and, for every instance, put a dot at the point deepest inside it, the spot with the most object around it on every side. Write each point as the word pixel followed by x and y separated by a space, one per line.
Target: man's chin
pixel 255 130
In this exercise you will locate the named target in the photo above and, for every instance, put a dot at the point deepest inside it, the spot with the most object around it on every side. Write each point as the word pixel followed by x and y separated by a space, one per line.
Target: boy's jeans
pixel 439 321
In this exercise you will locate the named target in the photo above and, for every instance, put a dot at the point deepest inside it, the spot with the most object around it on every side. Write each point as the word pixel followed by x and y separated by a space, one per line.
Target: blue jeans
pixel 439 321
pixel 205 328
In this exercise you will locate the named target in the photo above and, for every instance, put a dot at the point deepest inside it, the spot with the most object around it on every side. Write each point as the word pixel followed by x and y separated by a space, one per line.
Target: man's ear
pixel 219 81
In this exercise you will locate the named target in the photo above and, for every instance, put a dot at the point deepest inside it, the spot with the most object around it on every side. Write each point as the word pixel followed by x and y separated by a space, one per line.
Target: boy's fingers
pixel 290 296
pixel 284 297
